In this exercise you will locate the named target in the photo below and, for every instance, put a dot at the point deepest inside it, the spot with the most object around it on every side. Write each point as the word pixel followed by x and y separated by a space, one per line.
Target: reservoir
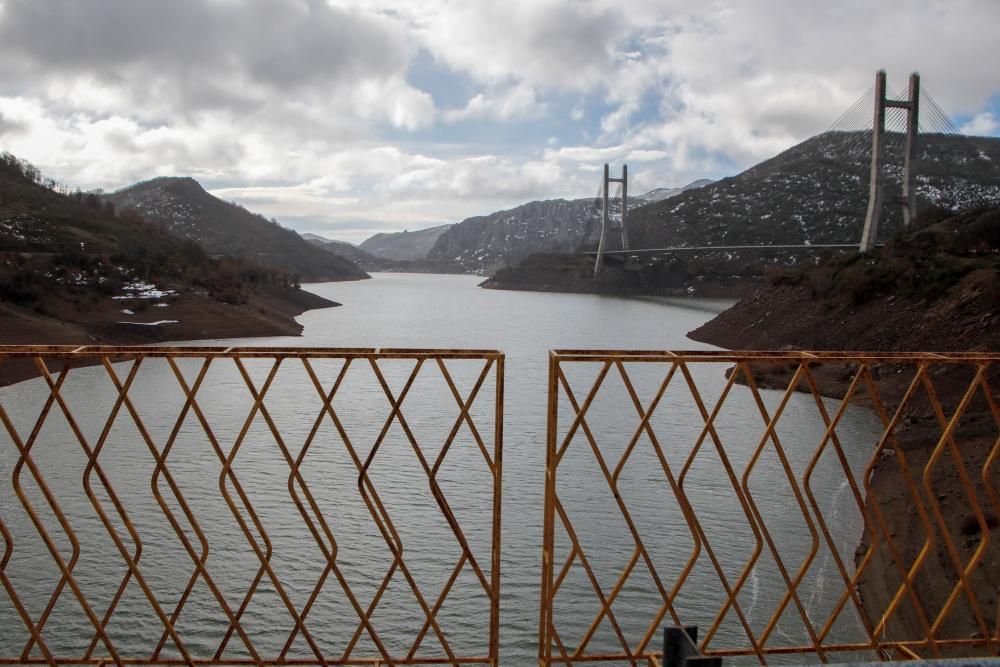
pixel 434 311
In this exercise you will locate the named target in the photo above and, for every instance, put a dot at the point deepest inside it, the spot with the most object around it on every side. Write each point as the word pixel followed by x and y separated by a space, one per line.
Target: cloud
pixel 982 124
pixel 516 102
pixel 356 115
pixel 274 59
pixel 565 45
pixel 618 153
pixel 283 45
pixel 8 126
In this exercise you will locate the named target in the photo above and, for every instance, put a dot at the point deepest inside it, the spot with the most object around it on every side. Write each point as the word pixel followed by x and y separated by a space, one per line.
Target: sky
pixel 350 118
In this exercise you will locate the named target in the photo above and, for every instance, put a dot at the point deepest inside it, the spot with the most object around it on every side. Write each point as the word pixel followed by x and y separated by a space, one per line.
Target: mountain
pixel 485 243
pixel 814 193
pixel 222 228
pixel 659 194
pixel 817 193
pixel 404 245
pixel 74 269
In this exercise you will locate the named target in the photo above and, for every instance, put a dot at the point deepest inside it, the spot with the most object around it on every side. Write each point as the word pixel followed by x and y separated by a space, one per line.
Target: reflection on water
pixel 425 311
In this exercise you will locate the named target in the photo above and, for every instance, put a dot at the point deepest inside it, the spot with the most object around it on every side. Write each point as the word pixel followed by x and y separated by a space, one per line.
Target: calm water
pixel 396 310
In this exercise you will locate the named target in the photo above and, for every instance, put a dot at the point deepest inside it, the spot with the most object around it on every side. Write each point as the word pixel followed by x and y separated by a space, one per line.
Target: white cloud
pixel 618 153
pixel 514 102
pixel 982 124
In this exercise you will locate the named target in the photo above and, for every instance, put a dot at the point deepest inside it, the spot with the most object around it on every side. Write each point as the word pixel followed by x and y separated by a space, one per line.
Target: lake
pixel 426 311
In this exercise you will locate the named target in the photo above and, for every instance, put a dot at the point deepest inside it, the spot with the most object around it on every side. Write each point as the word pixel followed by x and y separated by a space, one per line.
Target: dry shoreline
pixel 186 317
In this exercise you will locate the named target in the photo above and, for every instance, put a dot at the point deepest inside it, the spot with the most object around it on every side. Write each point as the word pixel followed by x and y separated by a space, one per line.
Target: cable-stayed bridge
pixel 873 149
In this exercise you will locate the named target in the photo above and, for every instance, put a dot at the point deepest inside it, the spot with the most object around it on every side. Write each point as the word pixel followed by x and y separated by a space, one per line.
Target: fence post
pixel 680 648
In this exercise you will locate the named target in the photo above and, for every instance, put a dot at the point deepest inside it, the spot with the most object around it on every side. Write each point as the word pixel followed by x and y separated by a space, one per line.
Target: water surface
pixel 435 311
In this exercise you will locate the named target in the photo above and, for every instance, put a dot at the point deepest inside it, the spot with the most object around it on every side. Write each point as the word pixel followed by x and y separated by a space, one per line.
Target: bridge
pixel 880 132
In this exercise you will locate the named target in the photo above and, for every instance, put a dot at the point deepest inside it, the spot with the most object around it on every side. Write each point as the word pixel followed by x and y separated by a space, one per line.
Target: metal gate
pixel 121 550
pixel 871 534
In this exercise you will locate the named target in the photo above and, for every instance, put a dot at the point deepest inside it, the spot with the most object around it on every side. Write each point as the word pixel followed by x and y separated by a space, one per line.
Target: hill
pixel 405 245
pixel 185 209
pixel 75 270
pixel 935 287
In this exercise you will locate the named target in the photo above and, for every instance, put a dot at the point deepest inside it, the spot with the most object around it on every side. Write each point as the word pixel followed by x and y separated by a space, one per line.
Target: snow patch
pixel 150 324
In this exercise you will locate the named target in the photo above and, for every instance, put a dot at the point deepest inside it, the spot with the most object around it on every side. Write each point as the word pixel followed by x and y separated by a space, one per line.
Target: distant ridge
pixel 659 194
pixel 404 246
pixel 485 243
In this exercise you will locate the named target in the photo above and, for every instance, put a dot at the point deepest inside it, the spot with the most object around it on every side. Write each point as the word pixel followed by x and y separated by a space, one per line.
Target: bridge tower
pixel 605 222
pixel 908 200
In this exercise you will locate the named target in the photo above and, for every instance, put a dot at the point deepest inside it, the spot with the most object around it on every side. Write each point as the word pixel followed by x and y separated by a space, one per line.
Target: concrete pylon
pixel 605 213
pixel 909 199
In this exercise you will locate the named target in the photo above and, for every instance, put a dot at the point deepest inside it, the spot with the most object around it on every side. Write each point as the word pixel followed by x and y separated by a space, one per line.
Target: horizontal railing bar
pixel 91 351
pixel 247 661
pixel 707 248
pixel 774 650
pixel 783 355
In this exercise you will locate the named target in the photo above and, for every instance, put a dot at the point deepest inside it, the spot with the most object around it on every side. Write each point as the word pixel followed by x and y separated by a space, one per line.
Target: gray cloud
pixel 308 112
pixel 205 52
pixel 8 126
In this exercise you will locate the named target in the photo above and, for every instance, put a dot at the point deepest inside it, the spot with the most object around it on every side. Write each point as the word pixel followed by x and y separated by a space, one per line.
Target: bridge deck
pixel 723 247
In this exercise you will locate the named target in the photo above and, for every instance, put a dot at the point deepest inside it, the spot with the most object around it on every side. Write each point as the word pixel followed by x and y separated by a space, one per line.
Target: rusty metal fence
pixel 831 504
pixel 142 536
pixel 871 534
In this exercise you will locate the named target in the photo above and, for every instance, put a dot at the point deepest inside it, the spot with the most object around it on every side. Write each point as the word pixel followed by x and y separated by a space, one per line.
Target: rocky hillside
pixel 221 228
pixel 936 287
pixel 484 244
pixel 817 192
pixel 76 270
pixel 405 245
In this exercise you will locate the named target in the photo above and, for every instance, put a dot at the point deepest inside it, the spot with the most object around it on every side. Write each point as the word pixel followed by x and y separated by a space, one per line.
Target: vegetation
pixel 80 245
pixel 937 253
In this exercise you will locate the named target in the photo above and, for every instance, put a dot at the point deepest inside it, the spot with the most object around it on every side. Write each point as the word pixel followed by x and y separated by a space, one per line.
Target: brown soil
pixel 63 320
pixel 788 317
